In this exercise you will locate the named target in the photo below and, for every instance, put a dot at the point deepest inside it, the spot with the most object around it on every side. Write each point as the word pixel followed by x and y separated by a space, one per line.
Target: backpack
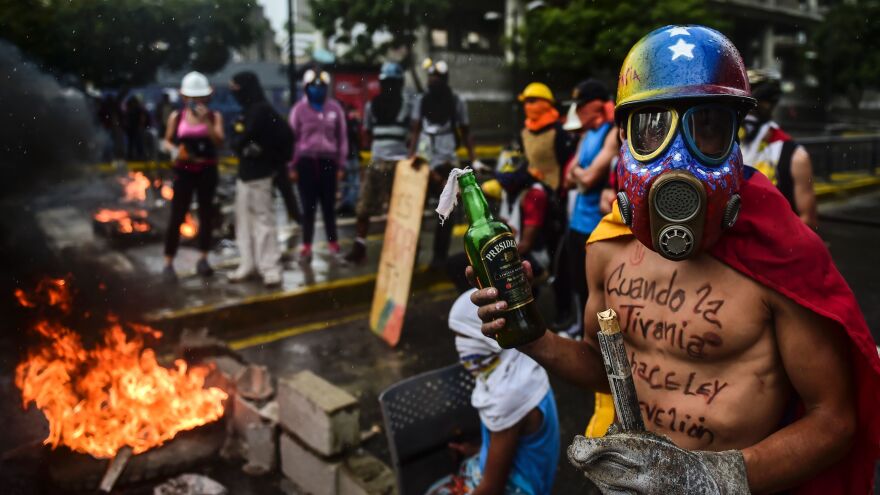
pixel 279 139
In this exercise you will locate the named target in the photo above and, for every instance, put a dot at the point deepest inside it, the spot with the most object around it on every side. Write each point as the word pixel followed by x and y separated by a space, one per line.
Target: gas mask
pixel 679 172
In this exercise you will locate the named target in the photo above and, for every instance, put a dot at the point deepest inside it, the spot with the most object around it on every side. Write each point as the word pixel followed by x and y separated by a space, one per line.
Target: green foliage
pixel 399 18
pixel 593 37
pixel 119 43
pixel 848 48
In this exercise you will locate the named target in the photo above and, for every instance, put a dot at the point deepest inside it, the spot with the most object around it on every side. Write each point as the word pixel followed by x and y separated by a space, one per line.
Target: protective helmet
pixel 391 70
pixel 195 85
pixel 652 71
pixel 537 90
pixel 766 84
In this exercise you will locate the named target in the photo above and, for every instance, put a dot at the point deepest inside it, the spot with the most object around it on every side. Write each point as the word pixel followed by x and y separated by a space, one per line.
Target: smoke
pixel 46 130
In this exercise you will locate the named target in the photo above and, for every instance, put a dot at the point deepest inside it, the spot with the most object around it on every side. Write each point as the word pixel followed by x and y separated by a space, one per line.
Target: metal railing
pixel 833 154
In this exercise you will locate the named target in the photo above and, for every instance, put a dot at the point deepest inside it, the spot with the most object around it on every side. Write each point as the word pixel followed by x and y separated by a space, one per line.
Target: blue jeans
pixel 351 184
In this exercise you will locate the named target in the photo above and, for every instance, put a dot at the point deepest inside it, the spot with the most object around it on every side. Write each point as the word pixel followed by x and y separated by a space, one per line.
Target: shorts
pixel 378 180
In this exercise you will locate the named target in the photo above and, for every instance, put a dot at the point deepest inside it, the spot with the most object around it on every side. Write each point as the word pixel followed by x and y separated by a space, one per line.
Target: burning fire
pixel 167 192
pixel 115 394
pixel 126 222
pixel 135 187
pixel 189 228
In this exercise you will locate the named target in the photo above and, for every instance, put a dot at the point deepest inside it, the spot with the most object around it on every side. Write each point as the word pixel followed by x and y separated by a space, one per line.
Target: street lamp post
pixel 291 54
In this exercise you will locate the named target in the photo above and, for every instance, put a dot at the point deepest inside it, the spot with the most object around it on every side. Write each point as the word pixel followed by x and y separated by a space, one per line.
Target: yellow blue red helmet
pixel 682 62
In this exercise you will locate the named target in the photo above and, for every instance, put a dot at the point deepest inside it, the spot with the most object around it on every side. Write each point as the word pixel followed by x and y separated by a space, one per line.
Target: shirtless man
pixel 696 268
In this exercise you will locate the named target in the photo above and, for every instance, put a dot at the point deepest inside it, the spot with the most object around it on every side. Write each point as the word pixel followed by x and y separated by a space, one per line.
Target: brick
pixel 363 474
pixel 261 444
pixel 323 416
pixel 311 473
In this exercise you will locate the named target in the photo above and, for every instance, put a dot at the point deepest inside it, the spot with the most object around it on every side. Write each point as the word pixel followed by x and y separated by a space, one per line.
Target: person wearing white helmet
pixel 192 136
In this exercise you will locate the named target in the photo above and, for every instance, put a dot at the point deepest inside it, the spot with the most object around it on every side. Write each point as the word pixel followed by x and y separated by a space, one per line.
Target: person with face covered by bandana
pixel 774 153
pixel 587 173
pixel 753 365
pixel 545 144
pixel 439 118
pixel 262 141
pixel 319 154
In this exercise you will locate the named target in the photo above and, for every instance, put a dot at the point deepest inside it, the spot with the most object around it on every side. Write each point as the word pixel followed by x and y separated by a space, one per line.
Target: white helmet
pixel 195 85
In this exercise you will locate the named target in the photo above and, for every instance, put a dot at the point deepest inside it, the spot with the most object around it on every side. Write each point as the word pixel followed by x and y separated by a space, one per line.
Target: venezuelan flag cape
pixel 772 246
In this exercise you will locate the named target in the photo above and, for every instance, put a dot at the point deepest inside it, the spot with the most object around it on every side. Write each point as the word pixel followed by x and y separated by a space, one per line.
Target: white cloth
pixel 509 384
pixel 449 196
pixel 255 230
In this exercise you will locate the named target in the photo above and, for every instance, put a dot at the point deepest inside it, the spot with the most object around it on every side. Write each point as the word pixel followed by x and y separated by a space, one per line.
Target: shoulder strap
pixel 784 179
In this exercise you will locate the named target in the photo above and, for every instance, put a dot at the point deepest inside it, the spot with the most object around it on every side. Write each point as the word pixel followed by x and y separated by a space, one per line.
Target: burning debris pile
pixel 132 220
pixel 111 396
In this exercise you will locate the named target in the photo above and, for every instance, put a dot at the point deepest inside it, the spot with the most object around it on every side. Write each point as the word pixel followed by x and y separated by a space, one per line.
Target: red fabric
pixel 534 206
pixel 772 246
pixel 777 134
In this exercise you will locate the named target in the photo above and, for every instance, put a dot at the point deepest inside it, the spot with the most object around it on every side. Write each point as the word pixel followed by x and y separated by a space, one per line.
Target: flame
pixel 135 186
pixel 115 394
pixel 167 192
pixel 189 228
pixel 126 222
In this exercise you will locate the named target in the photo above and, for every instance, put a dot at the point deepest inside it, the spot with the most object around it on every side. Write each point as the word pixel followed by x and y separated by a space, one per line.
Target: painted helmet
pixel 650 73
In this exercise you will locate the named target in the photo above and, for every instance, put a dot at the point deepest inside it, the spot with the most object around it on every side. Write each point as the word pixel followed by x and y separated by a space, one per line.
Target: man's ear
pixel 621 133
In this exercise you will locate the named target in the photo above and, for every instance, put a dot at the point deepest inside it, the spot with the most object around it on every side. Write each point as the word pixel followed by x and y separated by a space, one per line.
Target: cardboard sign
pixel 399 250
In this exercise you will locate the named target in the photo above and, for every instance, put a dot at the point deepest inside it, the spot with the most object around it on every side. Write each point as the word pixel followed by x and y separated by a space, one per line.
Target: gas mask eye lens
pixel 710 131
pixel 650 130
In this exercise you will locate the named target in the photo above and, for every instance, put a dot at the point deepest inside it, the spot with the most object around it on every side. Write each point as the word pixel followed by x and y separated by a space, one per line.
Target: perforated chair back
pixel 422 415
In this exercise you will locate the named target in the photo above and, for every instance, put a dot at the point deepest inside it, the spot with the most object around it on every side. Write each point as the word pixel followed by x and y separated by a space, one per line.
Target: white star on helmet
pixel 679 31
pixel 682 49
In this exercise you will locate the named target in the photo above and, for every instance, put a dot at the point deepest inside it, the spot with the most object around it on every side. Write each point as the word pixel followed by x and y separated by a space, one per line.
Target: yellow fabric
pixel 537 90
pixel 492 189
pixel 610 227
pixel 603 416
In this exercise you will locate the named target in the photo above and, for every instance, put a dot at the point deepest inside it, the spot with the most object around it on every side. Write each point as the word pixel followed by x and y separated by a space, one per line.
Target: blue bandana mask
pixel 317 95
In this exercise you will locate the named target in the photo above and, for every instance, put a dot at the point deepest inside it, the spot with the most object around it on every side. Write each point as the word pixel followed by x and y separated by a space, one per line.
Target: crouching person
pixel 519 424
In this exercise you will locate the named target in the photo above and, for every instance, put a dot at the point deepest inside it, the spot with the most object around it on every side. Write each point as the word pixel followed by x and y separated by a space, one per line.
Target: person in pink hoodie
pixel 319 151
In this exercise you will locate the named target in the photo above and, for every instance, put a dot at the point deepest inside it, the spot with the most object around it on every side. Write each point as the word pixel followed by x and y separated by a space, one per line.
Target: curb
pixel 337 296
pixel 829 191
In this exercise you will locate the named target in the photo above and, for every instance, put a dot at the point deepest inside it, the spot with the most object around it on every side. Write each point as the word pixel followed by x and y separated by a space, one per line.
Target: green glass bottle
pixel 491 250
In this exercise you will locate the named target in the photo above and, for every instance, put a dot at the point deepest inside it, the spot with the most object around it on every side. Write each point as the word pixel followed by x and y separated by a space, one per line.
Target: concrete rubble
pixel 319 441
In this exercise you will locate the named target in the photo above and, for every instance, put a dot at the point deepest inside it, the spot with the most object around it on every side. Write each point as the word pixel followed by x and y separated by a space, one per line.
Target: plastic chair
pixel 422 415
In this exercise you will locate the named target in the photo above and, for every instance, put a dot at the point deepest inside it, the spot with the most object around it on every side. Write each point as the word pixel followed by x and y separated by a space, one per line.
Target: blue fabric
pixel 317 95
pixel 586 213
pixel 534 465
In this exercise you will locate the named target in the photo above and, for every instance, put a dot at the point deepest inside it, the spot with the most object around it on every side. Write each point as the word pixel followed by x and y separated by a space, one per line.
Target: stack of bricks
pixel 320 436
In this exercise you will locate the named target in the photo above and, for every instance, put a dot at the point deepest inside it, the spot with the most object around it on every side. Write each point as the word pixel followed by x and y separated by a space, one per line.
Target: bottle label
pixel 504 267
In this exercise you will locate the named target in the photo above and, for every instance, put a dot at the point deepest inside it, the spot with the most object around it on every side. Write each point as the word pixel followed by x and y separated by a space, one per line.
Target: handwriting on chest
pixel 644 296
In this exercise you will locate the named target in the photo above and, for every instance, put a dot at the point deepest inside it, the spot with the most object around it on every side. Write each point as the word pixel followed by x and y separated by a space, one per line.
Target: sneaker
pixel 169 276
pixel 203 268
pixel 333 246
pixel 358 253
pixel 240 275
pixel 305 254
pixel 573 332
pixel 272 279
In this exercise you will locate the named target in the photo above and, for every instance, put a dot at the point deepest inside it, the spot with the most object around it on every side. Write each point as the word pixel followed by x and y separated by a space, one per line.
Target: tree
pixel 594 36
pixel 123 43
pixel 848 49
pixel 354 22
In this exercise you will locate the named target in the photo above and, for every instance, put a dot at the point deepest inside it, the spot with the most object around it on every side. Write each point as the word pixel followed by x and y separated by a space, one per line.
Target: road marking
pixel 270 337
